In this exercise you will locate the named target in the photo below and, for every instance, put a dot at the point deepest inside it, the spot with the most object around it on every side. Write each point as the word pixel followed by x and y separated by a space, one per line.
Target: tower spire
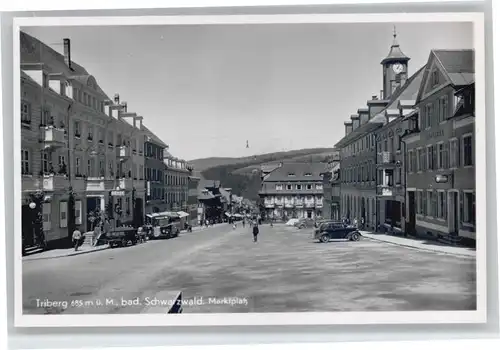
pixel 395 53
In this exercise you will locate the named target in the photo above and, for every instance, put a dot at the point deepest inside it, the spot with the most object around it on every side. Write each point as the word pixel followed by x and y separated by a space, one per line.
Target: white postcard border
pixel 289 318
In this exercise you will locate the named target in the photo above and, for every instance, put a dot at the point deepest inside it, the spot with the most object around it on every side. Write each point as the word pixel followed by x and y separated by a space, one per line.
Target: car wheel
pixel 324 239
pixel 355 236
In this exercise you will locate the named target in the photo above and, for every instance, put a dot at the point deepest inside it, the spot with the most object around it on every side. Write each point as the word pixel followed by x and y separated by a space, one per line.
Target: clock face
pixel 397 68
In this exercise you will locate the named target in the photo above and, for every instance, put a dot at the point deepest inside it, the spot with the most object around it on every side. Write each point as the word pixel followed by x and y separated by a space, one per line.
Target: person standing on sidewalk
pixel 77 236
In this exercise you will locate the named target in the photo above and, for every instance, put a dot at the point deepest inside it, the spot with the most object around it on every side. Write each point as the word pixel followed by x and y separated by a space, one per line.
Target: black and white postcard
pixel 250 170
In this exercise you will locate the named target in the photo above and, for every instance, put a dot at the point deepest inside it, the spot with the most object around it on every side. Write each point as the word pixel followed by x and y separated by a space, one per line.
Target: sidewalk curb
pixel 67 255
pixel 419 248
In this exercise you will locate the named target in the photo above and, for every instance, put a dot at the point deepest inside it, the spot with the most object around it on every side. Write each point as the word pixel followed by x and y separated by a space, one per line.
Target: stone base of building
pixel 436 235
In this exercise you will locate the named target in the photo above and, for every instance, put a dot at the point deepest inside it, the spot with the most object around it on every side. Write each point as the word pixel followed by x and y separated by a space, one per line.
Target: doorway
pixel 411 213
pixel 454 216
pixel 28 227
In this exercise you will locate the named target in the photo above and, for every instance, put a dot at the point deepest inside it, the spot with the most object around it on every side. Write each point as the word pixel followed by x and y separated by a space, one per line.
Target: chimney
pixel 381 94
pixel 124 106
pixel 67 52
pixel 117 99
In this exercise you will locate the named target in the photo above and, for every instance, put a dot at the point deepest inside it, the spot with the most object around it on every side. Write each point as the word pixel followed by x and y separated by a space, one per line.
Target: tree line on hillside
pixel 247 186
pixel 247 183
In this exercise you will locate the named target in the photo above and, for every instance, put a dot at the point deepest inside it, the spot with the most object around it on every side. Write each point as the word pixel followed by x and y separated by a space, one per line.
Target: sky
pixel 207 89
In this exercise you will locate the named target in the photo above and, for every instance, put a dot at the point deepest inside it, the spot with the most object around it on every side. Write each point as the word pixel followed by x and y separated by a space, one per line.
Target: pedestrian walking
pixel 363 222
pixel 255 230
pixel 355 222
pixel 96 235
pixel 243 223
pixel 77 236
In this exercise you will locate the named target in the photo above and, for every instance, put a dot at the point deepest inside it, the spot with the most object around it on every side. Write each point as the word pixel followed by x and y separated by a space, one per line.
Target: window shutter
pixel 63 214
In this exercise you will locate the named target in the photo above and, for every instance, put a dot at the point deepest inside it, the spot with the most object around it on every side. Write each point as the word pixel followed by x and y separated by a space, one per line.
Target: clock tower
pixel 394 68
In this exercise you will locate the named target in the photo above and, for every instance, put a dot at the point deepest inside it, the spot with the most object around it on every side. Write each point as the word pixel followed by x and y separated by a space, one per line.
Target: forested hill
pixel 243 174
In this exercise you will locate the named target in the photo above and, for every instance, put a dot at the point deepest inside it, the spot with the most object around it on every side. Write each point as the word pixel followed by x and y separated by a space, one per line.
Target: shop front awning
pixel 182 214
pixel 227 214
pixel 237 215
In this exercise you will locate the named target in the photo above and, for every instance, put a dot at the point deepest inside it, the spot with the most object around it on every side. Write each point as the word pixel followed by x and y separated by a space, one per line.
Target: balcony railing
pixel 389 191
pixel 310 204
pixel 52 137
pixel 123 152
pixel 385 158
pixel 53 183
pixel 95 184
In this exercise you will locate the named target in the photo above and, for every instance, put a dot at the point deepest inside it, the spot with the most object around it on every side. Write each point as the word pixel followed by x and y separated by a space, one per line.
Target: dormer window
pixel 307 174
pixel 291 174
pixel 435 78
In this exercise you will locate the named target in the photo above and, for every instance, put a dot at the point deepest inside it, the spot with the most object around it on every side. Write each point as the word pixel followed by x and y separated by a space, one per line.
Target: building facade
pixel 155 173
pixel 370 151
pixel 77 149
pixel 441 148
pixel 293 190
pixel 193 192
pixel 176 183
pixel 331 191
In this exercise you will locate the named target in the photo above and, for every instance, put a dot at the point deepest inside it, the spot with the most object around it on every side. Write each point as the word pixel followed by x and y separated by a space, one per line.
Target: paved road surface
pixel 284 271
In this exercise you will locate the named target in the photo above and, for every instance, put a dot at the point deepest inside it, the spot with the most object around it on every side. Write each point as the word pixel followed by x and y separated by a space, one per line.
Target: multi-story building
pixel 440 147
pixel 193 192
pixel 359 190
pixel 155 173
pixel 331 190
pixel 293 190
pixel 84 152
pixel 176 182
pixel 126 203
pixel 391 164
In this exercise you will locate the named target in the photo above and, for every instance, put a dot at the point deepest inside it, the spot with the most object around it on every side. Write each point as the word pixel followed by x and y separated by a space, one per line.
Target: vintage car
pixel 121 236
pixel 336 230
pixel 163 225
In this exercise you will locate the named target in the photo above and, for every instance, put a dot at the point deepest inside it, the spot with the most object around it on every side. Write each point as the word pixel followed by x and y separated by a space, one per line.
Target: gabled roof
pixel 457 65
pixel 33 51
pixel 300 172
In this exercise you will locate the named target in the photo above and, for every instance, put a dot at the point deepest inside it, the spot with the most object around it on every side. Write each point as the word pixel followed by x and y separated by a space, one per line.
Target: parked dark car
pixel 336 230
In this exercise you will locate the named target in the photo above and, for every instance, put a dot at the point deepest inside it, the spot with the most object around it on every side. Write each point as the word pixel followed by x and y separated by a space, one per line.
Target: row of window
pixel 434 204
pixel 88 100
pixel 443 155
pixel 163 194
pixel 390 144
pixel 435 112
pixel 94 167
pixel 363 144
pixel 293 198
pixel 359 173
pixel 91 132
pixel 289 187
pixel 153 151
